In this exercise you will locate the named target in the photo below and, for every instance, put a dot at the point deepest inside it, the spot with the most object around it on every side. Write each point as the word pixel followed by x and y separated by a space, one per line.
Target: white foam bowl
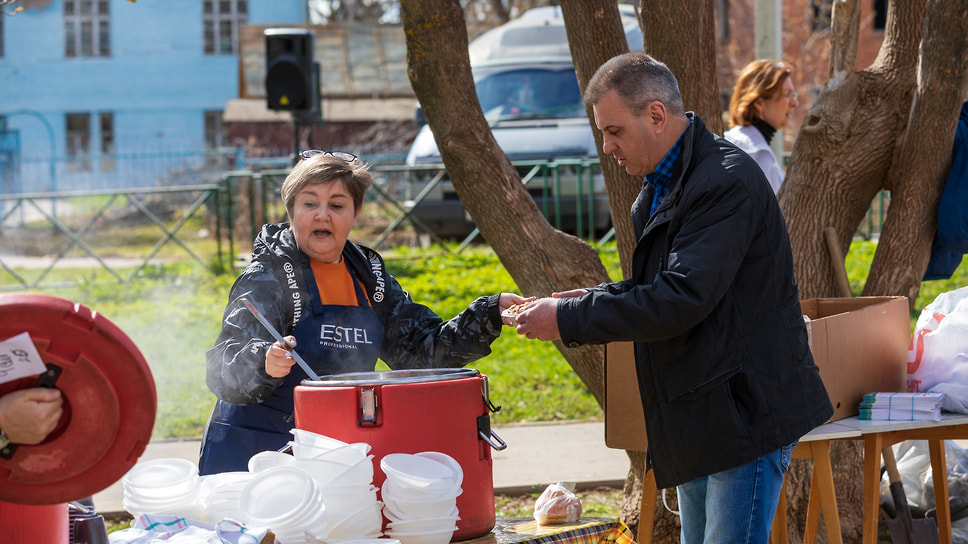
pixel 416 471
pixel 277 496
pixel 437 537
pixel 269 459
pixel 407 510
pixel 309 438
pixel 160 478
pixel 322 471
pixel 339 506
pixel 345 494
pixel 394 516
pixel 212 483
pixel 373 540
pixel 147 503
pixel 393 487
pixel 445 459
pixel 365 520
pixel 359 474
pixel 421 525
pixel 348 455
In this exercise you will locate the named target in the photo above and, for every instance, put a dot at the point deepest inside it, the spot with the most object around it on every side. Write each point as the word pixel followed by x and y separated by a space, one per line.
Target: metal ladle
pixel 244 302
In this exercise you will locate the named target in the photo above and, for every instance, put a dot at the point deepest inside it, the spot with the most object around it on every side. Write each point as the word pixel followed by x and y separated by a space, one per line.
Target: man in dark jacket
pixel 726 377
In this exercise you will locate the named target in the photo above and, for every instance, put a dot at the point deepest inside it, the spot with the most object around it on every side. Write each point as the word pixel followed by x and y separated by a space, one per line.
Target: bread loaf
pixel 557 504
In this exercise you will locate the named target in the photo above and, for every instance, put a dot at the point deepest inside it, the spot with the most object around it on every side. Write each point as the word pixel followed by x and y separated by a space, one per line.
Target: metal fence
pixel 228 205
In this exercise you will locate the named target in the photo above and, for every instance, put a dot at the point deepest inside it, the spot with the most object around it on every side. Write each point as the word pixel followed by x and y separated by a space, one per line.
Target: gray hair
pixel 639 80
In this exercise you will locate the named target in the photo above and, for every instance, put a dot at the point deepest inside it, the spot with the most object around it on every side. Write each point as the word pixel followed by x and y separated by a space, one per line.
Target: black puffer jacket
pixel 414 336
pixel 724 368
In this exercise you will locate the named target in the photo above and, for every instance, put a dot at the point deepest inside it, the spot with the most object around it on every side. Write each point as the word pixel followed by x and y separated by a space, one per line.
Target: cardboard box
pixel 624 418
pixel 860 345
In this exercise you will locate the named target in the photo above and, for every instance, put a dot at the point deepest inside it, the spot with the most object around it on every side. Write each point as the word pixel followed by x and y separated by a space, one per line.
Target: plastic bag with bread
pixel 557 504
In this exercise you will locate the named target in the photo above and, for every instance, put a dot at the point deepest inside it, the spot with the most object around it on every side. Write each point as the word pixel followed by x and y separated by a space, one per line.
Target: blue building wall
pixel 157 82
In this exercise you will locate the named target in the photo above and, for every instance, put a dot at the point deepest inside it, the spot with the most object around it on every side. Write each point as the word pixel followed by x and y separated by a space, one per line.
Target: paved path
pixel 537 455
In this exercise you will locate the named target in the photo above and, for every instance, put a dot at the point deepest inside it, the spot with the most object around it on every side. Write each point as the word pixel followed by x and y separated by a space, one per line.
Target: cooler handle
pixel 499 445
pixel 488 435
pixel 369 407
pixel 485 391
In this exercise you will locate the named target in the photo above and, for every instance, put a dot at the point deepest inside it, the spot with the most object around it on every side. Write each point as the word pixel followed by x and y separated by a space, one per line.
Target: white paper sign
pixel 19 358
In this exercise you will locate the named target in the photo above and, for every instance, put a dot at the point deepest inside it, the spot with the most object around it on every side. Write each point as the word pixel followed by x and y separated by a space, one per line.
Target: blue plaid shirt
pixel 662 176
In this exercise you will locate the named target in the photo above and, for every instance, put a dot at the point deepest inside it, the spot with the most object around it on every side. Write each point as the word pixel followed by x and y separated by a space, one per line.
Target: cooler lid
pixel 109 401
pixel 387 377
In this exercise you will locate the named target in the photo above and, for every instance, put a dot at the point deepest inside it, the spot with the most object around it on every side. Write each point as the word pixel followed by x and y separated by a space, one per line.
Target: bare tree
pixel 689 51
pixel 888 127
pixel 539 258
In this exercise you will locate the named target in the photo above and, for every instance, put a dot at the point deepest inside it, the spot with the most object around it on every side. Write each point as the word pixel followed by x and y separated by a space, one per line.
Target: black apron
pixel 332 339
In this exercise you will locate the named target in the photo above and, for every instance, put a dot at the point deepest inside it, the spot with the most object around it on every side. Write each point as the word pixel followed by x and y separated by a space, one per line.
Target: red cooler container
pixel 27 523
pixel 410 411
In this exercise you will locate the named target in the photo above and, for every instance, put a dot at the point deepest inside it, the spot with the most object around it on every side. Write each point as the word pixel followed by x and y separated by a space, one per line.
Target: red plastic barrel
pixel 443 410
pixel 46 523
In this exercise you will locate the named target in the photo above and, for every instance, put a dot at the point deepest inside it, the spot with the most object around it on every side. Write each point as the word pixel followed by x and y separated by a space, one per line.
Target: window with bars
pixel 106 123
pixel 87 28
pixel 222 21
pixel 215 139
pixel 214 130
pixel 78 142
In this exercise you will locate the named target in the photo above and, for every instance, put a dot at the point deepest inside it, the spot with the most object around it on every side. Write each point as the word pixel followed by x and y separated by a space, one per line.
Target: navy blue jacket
pixel 724 369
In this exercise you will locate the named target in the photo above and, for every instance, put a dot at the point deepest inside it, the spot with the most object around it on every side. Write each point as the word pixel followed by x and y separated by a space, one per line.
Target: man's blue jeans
pixel 735 506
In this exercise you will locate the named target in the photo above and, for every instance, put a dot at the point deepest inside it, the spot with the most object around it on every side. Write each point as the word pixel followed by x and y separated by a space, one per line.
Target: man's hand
pixel 279 360
pixel 540 320
pixel 506 300
pixel 27 416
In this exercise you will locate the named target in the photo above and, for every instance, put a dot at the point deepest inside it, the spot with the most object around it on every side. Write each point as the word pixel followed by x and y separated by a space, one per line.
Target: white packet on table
pixel 557 504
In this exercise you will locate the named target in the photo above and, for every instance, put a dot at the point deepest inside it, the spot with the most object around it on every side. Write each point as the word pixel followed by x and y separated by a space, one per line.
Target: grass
pixel 173 313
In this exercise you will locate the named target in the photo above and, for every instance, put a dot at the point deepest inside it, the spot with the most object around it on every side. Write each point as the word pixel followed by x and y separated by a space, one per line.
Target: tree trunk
pixel 889 127
pixel 923 155
pixel 539 258
pixel 684 38
pixel 595 35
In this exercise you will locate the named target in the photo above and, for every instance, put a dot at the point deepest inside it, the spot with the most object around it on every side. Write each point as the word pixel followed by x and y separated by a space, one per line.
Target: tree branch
pixel 844 30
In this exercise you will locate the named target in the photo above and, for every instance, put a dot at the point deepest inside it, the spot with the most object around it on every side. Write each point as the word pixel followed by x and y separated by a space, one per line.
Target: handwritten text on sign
pixel 19 358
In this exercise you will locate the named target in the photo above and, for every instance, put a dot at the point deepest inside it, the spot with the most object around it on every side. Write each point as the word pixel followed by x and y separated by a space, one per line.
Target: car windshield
pixel 530 93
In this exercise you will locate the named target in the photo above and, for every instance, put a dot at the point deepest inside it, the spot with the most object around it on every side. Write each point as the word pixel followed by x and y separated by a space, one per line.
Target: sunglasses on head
pixel 341 155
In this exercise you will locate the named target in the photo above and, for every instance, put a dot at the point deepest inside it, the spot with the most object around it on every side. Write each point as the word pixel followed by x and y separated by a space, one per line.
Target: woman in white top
pixel 763 102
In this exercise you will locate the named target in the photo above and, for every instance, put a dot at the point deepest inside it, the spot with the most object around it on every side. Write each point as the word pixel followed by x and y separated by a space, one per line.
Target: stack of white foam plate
pixel 162 486
pixel 286 500
pixel 420 496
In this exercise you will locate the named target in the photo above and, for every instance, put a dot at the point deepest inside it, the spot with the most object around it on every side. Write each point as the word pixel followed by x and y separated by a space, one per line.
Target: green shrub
pixel 173 314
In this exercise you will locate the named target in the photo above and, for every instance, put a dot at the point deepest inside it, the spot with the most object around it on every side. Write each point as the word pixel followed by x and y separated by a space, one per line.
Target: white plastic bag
pixel 914 466
pixel 557 504
pixel 938 352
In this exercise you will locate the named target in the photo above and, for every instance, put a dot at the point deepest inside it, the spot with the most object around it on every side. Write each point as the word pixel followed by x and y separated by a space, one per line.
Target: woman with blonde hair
pixel 763 102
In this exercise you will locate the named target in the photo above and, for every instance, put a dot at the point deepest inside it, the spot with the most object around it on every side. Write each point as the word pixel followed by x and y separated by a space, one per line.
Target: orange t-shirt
pixel 335 283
